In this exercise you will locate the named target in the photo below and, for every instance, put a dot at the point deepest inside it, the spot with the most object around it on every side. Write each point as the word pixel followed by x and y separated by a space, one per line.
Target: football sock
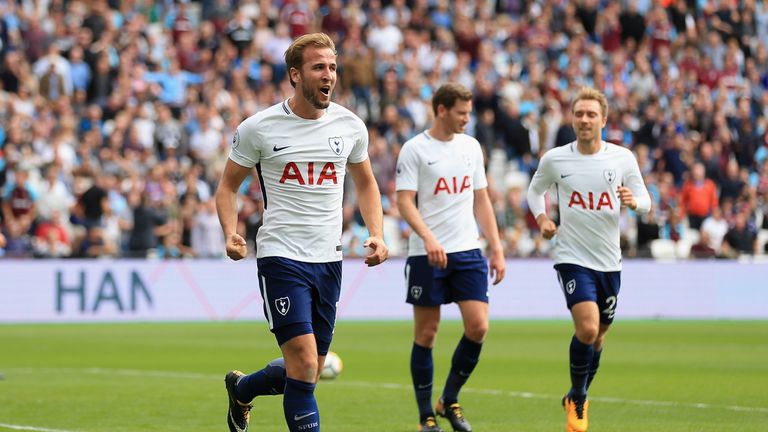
pixel 581 358
pixel 422 370
pixel 465 358
pixel 300 406
pixel 268 381
pixel 594 366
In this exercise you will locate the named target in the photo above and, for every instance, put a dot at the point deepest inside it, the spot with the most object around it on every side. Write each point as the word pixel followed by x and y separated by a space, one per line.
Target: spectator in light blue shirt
pixel 173 83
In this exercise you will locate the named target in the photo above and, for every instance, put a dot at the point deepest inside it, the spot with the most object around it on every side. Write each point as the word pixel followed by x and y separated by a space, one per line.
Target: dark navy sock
pixel 465 358
pixel 593 367
pixel 581 358
pixel 300 406
pixel 268 381
pixel 422 370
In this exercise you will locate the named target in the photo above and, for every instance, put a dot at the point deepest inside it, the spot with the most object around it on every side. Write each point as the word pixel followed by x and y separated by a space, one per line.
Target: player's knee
pixel 476 333
pixel 426 336
pixel 587 334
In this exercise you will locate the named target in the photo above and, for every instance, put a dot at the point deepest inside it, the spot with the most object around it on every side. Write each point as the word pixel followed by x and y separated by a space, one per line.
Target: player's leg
pixel 608 287
pixel 468 287
pixel 580 289
pixel 301 368
pixel 426 320
pixel 425 293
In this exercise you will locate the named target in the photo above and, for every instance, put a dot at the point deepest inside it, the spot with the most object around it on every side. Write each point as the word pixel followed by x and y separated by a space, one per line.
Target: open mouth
pixel 326 90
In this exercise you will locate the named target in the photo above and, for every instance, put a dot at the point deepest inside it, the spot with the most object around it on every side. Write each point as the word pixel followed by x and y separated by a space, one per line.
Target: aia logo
pixel 307 175
pixel 588 202
pixel 452 186
pixel 336 144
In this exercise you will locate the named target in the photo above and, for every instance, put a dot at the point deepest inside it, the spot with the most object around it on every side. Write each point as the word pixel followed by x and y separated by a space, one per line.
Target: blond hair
pixel 294 55
pixel 589 93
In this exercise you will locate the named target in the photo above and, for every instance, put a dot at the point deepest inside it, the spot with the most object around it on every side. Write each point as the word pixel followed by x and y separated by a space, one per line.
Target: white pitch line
pixel 30 428
pixel 397 386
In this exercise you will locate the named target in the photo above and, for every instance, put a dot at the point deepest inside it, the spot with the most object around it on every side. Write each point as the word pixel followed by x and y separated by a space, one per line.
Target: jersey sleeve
pixel 540 183
pixel 359 151
pixel 246 146
pixel 407 171
pixel 479 179
pixel 633 179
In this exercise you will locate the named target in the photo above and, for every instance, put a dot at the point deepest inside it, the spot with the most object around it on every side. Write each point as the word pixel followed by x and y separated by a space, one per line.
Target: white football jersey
pixel 445 176
pixel 301 165
pixel 588 202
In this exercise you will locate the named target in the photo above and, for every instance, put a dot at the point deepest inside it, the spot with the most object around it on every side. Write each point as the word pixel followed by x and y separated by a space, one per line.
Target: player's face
pixel 457 117
pixel 317 77
pixel 588 120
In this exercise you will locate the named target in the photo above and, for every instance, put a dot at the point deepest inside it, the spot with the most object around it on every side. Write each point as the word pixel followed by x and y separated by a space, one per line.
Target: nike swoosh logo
pixel 562 176
pixel 277 149
pixel 432 162
pixel 423 386
pixel 299 417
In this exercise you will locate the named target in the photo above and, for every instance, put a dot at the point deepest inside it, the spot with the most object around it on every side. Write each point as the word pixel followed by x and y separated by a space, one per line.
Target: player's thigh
pixel 424 283
pixel 578 283
pixel 608 287
pixel 426 321
pixel 474 314
pixel 468 276
pixel 287 296
pixel 325 298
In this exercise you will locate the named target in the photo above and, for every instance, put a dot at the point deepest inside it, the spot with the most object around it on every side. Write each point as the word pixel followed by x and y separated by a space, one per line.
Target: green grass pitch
pixel 657 376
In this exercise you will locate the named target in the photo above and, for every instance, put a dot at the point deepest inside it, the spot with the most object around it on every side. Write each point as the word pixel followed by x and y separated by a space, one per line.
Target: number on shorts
pixel 611 309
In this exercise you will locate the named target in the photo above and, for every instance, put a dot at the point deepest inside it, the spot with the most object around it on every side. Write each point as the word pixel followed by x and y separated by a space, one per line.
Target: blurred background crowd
pixel 116 116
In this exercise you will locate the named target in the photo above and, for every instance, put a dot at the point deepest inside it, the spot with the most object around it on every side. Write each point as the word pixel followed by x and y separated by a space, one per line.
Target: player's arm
pixel 487 221
pixel 406 204
pixel 369 200
pixel 633 192
pixel 536 202
pixel 226 207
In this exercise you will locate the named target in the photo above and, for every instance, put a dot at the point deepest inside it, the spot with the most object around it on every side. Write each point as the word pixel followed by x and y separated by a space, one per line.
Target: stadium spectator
pixel 698 197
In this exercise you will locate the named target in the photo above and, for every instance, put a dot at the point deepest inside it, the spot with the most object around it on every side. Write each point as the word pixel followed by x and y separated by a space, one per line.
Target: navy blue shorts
pixel 582 284
pixel 465 278
pixel 300 298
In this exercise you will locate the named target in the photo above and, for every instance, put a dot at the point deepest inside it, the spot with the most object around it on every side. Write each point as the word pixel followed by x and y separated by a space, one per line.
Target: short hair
pixel 294 55
pixel 448 94
pixel 589 93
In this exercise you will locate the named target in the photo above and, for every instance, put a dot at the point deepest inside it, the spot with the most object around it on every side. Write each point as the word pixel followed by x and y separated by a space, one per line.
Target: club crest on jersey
pixel 467 160
pixel 282 305
pixel 610 175
pixel 416 291
pixel 336 144
pixel 570 287
pixel 236 139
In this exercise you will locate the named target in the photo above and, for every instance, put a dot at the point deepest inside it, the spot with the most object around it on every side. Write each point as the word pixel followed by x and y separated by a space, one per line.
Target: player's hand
pixel 236 247
pixel 376 251
pixel 547 227
pixel 436 255
pixel 497 266
pixel 626 197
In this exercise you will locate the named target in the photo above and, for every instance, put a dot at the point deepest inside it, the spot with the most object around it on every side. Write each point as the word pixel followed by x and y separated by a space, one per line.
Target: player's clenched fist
pixel 236 247
pixel 547 227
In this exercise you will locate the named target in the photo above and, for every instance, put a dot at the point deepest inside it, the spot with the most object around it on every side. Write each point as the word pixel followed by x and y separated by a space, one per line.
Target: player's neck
pixel 302 108
pixel 440 133
pixel 589 147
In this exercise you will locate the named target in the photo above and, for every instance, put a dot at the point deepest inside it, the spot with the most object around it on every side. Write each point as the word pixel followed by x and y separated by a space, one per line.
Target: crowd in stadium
pixel 116 116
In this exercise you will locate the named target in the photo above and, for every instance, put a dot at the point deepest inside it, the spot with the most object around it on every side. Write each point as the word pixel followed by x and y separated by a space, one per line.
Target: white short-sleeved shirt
pixel 588 201
pixel 301 165
pixel 445 176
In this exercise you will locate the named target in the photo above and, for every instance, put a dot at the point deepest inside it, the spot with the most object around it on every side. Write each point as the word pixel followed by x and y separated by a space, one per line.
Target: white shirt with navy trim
pixel 445 175
pixel 301 165
pixel 589 204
